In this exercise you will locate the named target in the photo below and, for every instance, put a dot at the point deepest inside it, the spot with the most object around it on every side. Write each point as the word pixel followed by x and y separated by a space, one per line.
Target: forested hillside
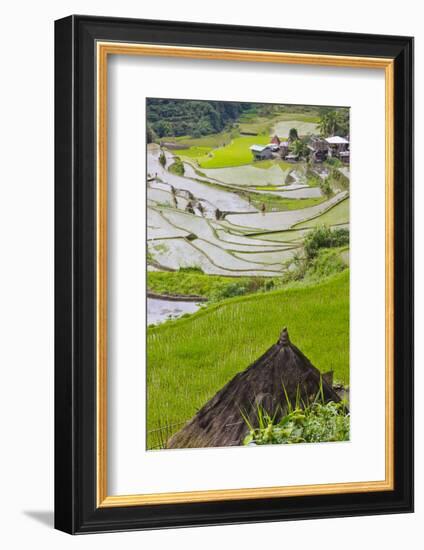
pixel 180 117
pixel 173 117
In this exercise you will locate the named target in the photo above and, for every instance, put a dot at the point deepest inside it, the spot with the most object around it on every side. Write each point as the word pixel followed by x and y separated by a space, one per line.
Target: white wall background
pixel 26 275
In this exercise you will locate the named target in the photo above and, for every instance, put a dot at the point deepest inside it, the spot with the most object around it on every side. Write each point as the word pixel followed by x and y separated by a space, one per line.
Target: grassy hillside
pixel 213 287
pixel 236 153
pixel 189 360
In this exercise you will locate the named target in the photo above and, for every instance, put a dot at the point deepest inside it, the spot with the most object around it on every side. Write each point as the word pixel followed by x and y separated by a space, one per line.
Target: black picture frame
pixel 76 510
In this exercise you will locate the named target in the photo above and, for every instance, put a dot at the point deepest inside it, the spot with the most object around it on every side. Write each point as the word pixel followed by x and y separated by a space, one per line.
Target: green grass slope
pixel 236 153
pixel 189 360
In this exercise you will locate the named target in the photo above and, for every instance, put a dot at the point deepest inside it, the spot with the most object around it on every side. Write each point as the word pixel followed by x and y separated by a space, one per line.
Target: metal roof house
pixel 337 140
pixel 318 148
pixel 261 152
pixel 339 147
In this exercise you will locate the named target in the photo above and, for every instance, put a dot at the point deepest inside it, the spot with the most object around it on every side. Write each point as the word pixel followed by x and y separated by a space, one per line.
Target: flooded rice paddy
pixel 205 219
pixel 159 311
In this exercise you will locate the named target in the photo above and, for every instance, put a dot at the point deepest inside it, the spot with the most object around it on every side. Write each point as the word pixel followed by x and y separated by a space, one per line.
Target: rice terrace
pixel 247 273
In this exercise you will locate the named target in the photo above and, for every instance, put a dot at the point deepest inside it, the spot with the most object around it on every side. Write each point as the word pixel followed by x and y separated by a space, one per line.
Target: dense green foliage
pixel 162 159
pixel 177 167
pixel 190 359
pixel 178 117
pixel 324 237
pixel 193 282
pixel 325 188
pixel 195 118
pixel 299 147
pixel 293 135
pixel 335 122
pixel 325 263
pixel 315 423
pixel 150 134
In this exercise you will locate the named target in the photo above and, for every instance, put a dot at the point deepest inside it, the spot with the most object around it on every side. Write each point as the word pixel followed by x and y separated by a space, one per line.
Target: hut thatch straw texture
pixel 281 370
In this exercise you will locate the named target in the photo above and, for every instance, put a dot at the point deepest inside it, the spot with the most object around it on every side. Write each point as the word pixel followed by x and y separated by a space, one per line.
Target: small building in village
pixel 333 146
pixel 284 149
pixel 261 152
pixel 318 148
pixel 275 144
pixel 338 147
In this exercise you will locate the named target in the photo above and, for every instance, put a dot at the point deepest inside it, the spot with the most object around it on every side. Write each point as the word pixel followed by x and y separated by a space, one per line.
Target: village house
pixel 333 146
pixel 318 148
pixel 261 152
pixel 338 147
pixel 275 144
pixel 284 149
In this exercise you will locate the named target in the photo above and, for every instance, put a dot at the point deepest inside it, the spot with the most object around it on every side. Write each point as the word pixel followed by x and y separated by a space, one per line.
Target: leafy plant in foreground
pixel 313 423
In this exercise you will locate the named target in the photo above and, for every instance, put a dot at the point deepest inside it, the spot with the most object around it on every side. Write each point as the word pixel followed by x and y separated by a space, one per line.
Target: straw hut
pixel 275 140
pixel 220 422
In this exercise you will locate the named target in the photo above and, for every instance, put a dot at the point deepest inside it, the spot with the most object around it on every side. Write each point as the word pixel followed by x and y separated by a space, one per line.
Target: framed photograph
pixel 234 274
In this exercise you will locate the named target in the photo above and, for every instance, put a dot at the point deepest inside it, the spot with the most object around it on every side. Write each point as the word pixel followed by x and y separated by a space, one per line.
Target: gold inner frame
pixel 104 49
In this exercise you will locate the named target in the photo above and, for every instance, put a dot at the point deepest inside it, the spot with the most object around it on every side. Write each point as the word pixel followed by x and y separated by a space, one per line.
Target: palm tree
pixel 334 122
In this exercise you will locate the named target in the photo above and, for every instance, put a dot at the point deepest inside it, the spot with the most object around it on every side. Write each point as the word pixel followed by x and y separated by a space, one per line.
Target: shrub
pixel 177 167
pixel 242 287
pixel 326 188
pixel 297 268
pixel 334 161
pixel 315 423
pixel 162 159
pixel 230 291
pixel 324 237
pixel 325 264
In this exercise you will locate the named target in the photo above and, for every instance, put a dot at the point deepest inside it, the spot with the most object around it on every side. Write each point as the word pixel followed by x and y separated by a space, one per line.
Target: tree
pixel 299 148
pixel 163 128
pixel 293 135
pixel 334 122
pixel 177 117
pixel 162 159
pixel 326 188
pixel 150 134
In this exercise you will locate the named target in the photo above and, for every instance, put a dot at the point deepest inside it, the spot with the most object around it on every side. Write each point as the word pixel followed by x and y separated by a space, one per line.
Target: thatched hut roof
pixel 220 422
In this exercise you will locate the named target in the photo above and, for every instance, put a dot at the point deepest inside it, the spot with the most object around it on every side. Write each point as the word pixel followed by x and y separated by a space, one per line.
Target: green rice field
pixel 236 153
pixel 338 214
pixel 189 360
